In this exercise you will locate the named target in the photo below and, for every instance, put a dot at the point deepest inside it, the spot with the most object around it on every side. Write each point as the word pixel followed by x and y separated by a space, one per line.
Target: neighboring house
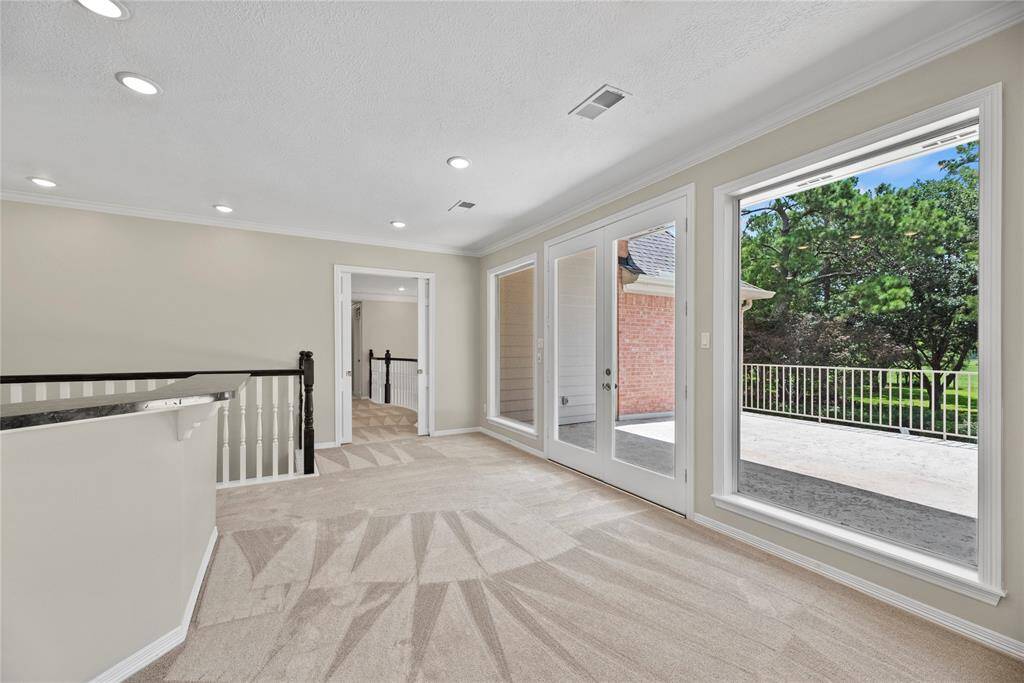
pixel 646 323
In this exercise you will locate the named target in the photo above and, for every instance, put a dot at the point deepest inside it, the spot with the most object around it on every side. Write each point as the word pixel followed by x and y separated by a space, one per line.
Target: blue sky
pixel 901 174
pixel 904 173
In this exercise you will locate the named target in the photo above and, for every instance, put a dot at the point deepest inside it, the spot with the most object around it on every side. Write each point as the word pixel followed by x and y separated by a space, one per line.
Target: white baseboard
pixel 513 442
pixel 142 658
pixel 326 444
pixel 985 636
pixel 268 479
pixel 453 432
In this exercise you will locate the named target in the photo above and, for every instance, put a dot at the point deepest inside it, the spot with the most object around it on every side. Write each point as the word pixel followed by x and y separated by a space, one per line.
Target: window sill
pixel 949 575
pixel 513 425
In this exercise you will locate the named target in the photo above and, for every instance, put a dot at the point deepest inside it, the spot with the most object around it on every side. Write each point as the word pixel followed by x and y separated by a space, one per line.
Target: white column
pixel 273 444
pixel 151 384
pixel 86 388
pixel 40 391
pixel 242 473
pixel 15 393
pixel 65 389
pixel 225 448
pixel 291 424
pixel 259 427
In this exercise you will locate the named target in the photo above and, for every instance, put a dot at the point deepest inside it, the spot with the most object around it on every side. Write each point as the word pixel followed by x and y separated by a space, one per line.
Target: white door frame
pixel 686 329
pixel 342 360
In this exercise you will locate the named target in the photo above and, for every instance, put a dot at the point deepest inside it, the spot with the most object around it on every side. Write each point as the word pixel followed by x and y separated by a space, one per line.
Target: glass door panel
pixel 575 303
pixel 644 343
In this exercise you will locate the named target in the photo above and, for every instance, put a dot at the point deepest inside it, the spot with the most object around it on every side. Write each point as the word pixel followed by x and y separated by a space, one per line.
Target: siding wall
pixel 577 325
pixel 515 346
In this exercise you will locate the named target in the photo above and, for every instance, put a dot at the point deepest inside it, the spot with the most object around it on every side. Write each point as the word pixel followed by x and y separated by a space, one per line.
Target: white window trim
pixel 492 407
pixel 985 584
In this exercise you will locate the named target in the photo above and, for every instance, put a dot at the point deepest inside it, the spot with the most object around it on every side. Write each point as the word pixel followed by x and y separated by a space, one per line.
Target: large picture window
pixel 861 406
pixel 512 342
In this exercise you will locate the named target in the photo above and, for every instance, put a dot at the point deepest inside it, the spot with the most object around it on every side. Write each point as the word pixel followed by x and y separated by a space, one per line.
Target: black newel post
pixel 370 385
pixel 306 364
pixel 387 376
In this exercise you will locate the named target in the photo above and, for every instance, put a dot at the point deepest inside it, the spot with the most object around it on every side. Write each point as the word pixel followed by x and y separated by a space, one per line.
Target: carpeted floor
pixel 463 559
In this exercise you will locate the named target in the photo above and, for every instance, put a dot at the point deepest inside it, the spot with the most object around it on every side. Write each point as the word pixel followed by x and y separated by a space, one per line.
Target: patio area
pixel 917 490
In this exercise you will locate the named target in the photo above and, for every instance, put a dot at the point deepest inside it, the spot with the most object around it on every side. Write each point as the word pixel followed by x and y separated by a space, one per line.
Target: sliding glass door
pixel 612 376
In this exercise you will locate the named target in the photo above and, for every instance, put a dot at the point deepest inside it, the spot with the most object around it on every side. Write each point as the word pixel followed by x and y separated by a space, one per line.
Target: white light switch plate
pixel 705 340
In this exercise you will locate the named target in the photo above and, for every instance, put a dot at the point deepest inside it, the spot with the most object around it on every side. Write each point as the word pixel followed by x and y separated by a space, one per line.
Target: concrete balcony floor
pixel 916 490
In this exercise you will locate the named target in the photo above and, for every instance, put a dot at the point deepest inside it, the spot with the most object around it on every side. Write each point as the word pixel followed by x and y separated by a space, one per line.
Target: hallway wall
pixel 83 291
pixel 389 325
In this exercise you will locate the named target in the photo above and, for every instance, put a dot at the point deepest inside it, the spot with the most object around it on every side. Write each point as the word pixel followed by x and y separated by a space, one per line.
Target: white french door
pixel 343 356
pixel 423 355
pixel 615 366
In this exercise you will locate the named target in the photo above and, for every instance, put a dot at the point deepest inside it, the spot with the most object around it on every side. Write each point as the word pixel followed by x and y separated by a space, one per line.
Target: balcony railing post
pixel 306 364
pixel 387 376
pixel 371 375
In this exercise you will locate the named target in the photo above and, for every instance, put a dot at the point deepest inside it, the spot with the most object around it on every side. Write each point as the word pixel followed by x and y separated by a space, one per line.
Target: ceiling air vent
pixel 461 206
pixel 599 102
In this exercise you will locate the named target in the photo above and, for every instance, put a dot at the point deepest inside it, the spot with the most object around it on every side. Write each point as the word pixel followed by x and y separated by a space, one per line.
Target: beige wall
pixel 91 292
pixel 97 567
pixel 389 325
pixel 999 58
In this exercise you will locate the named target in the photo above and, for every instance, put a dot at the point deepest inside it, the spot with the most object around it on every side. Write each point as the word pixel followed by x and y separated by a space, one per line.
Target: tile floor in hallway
pixel 463 559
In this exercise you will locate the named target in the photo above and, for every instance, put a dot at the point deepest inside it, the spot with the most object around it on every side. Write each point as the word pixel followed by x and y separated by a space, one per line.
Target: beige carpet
pixel 462 559
pixel 373 422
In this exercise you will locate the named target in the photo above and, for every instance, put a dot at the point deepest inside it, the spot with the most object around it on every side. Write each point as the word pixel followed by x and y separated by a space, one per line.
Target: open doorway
pixel 383 355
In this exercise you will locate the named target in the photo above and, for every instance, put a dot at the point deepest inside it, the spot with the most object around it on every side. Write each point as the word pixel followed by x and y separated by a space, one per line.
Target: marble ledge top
pixel 189 391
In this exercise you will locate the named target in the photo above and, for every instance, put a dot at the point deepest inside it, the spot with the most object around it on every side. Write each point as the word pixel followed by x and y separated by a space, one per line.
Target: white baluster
pixel 129 386
pixel 108 388
pixel 259 427
pixel 151 384
pixel 242 469
pixel 273 443
pixel 65 390
pixel 225 448
pixel 40 391
pixel 15 393
pixel 86 388
pixel 291 424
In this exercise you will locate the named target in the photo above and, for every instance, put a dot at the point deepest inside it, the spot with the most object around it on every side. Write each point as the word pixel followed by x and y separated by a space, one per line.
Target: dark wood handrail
pixel 120 376
pixel 304 370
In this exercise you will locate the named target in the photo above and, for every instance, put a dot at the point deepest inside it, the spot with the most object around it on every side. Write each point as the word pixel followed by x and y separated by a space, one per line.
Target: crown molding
pixel 213 221
pixel 939 45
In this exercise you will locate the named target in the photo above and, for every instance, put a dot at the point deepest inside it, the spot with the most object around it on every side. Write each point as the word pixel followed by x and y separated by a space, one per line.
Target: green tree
pixel 878 278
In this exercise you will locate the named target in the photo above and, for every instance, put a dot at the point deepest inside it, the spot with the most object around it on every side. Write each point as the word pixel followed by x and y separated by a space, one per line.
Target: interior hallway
pixel 462 558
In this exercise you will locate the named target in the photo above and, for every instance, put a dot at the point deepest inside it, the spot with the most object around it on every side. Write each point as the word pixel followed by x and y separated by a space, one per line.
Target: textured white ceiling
pixel 338 117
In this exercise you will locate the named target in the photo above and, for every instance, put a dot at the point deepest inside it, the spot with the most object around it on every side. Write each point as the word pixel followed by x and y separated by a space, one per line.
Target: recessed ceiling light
pixel 401 289
pixel 139 84
pixel 43 182
pixel 458 162
pixel 223 208
pixel 105 8
pixel 397 224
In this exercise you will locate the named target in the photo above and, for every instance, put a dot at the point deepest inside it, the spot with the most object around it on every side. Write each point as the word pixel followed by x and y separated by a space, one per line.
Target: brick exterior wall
pixel 646 338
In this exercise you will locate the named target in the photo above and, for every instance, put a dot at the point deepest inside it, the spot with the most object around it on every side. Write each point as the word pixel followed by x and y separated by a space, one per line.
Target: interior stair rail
pixel 394 380
pixel 244 455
